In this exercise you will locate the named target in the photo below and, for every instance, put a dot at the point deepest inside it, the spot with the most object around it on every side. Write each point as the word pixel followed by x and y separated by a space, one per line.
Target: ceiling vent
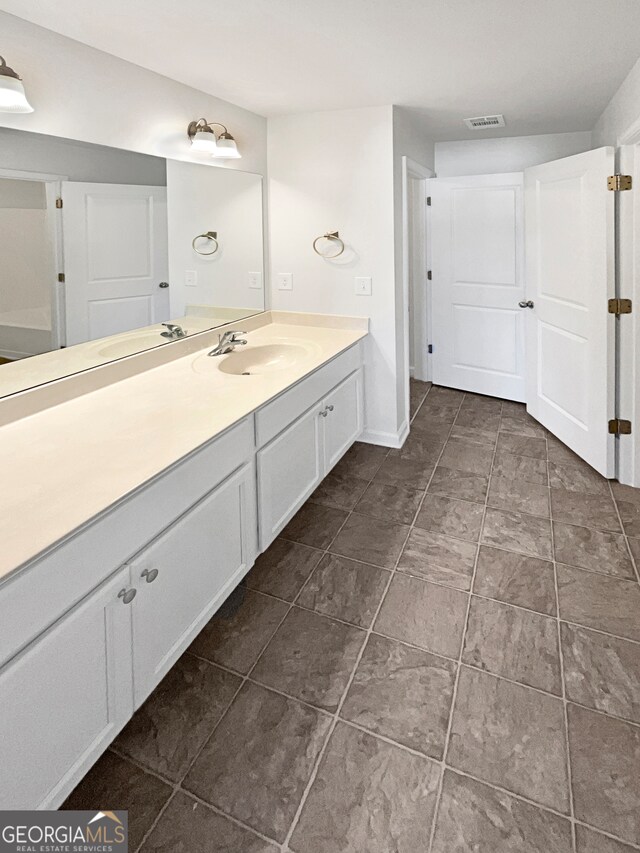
pixel 481 122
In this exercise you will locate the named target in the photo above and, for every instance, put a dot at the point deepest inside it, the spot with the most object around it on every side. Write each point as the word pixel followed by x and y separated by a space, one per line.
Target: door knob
pixel 127 595
pixel 163 284
pixel 526 303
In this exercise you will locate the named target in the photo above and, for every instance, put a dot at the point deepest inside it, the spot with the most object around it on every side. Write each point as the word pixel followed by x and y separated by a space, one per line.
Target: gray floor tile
pixel 340 490
pixel 585 509
pixel 462 519
pixel 473 435
pixel 315 525
pixel 402 693
pixel 311 657
pixel 577 478
pixel 625 493
pixel 516 579
pixel 424 614
pixel 408 473
pixel 368 796
pixel 185 820
pixel 474 818
pixel 361 461
pixel 479 403
pixel 461 455
pixel 522 445
pixel 602 672
pixel 517 494
pixel 597 551
pixel 371 540
pixel 522 425
pixel 167 732
pixel 438 558
pixel 630 515
pixel 257 764
pixel 590 841
pixel 513 409
pixel 447 395
pixel 514 643
pixel 526 469
pixel 235 637
pixel 478 419
pixel 440 411
pixel 511 736
pixel 390 503
pixel 420 448
pixel 517 531
pixel 120 783
pixel 459 484
pixel 559 452
pixel 345 589
pixel 600 602
pixel 605 769
pixel 283 568
pixel 634 545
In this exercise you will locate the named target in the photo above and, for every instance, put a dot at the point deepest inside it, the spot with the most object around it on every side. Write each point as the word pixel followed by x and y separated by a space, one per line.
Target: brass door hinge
pixel 58 203
pixel 619 306
pixel 61 276
pixel 618 183
pixel 619 427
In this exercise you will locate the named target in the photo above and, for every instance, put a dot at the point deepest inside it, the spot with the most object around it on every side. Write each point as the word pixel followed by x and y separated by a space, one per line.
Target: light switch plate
pixel 255 280
pixel 363 285
pixel 285 281
pixel 190 278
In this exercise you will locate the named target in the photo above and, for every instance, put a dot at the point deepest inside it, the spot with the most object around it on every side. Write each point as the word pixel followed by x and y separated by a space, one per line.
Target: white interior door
pixel 478 280
pixel 570 242
pixel 115 256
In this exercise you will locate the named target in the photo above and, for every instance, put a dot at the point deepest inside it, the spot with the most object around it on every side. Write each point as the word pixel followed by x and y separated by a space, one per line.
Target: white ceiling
pixel 548 65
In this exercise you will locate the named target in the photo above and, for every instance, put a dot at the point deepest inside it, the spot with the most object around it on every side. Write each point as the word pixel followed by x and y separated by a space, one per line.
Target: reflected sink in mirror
pixel 262 359
pixel 127 344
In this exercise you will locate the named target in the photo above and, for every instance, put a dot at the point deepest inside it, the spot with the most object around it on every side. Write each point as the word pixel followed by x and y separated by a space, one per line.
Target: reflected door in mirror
pixel 115 251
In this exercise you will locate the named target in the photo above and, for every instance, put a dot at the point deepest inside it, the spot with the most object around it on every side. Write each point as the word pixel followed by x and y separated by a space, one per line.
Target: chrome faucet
pixel 227 343
pixel 173 332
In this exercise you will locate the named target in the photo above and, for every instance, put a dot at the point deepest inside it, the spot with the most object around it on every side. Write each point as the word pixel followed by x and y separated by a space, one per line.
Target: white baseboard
pixel 386 439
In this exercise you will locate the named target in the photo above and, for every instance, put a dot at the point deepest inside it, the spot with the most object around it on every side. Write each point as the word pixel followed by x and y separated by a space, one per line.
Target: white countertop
pixel 61 467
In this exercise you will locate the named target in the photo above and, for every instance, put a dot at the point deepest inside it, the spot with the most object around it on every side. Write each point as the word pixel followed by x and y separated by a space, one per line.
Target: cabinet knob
pixel 127 595
pixel 150 575
pixel 323 413
pixel 330 408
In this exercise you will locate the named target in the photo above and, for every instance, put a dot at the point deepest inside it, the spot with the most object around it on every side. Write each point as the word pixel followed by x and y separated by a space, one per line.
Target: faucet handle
pixel 234 333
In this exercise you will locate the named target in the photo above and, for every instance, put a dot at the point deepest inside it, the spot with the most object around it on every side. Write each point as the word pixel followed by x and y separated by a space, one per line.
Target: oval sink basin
pixel 128 344
pixel 262 359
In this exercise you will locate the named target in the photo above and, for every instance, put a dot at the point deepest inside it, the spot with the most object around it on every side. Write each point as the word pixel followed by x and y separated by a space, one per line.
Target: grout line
pixel 456 683
pixel 624 532
pixel 562 676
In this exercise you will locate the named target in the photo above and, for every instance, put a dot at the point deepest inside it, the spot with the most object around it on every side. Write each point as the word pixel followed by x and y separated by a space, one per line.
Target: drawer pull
pixel 150 575
pixel 127 595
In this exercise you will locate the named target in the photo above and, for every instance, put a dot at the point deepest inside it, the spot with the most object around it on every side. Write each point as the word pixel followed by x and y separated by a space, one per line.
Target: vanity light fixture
pixel 12 95
pixel 203 138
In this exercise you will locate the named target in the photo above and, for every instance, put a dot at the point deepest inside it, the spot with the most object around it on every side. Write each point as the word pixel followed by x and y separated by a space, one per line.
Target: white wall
pixel 507 154
pixel 622 111
pixel 230 203
pixel 333 171
pixel 82 93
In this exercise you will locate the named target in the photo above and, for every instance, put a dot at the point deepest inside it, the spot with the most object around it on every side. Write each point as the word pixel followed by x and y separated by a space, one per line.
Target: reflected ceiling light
pixel 12 94
pixel 203 138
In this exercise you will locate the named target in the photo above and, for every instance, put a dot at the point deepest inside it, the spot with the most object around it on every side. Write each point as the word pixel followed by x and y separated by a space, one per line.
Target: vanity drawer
pixel 277 415
pixel 36 596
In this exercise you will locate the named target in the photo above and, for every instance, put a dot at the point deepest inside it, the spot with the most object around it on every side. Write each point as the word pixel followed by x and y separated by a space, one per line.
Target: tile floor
pixel 440 653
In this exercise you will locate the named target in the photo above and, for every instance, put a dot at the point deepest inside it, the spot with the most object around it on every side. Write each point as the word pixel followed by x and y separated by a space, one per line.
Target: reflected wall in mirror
pixel 97 252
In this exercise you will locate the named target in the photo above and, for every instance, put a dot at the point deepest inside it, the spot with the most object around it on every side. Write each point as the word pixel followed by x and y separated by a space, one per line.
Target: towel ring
pixel 209 235
pixel 334 236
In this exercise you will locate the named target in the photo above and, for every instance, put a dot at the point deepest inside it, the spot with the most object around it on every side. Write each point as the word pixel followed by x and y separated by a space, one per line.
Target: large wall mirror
pixel 105 253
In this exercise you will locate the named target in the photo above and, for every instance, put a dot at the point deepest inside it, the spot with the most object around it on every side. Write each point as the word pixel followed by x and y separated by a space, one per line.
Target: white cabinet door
pixel 289 469
pixel 64 698
pixel 478 280
pixel 185 575
pixel 115 256
pixel 342 419
pixel 570 276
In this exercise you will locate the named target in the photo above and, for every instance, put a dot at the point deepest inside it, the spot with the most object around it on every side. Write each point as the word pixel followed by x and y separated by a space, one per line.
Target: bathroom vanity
pixel 134 511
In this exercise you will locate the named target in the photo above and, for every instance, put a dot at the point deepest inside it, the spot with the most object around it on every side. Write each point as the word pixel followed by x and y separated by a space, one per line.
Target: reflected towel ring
pixel 209 235
pixel 334 236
